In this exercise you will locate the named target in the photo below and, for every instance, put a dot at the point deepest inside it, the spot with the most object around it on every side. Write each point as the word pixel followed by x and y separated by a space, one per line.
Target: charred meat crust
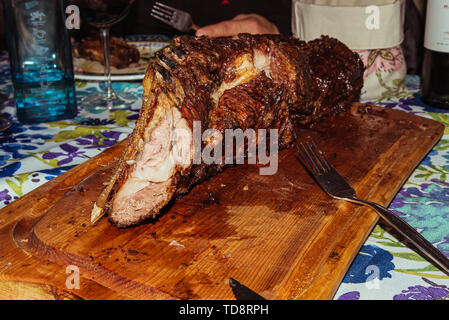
pixel 121 53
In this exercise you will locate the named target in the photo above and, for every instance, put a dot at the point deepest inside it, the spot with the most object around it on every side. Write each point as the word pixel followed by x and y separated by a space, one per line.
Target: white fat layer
pixel 169 144
pixel 262 62
pixel 156 162
pixel 244 72
pixel 246 68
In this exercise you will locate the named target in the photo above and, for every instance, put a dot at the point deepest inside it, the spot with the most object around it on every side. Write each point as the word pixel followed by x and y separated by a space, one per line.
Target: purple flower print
pixel 91 141
pixel 134 116
pixel 425 208
pixel 71 153
pixel 423 293
pixel 4 196
pixel 387 60
pixel 351 295
pixel 114 135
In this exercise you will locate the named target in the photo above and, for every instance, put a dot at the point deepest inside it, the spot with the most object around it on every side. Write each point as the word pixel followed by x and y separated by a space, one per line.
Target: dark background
pixel 206 12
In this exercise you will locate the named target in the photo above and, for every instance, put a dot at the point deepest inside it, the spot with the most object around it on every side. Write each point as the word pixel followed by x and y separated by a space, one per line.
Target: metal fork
pixel 337 187
pixel 176 18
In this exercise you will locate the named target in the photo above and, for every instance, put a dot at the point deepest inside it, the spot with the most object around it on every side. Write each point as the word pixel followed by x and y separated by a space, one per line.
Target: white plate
pixel 88 77
pixel 146 44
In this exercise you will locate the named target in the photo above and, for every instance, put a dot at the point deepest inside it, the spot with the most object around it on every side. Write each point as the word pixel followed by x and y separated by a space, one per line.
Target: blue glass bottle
pixel 41 60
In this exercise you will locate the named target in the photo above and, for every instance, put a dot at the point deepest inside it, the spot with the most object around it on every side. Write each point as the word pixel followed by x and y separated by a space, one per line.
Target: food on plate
pixel 122 54
pixel 253 81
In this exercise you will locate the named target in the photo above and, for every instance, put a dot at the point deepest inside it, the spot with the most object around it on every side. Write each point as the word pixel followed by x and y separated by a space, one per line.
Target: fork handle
pixel 424 246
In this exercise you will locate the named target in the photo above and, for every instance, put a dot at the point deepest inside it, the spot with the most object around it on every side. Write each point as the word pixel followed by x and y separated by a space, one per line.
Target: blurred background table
pixel 384 268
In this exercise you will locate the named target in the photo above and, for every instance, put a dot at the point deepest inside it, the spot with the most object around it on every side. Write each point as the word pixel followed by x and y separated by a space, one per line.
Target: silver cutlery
pixel 242 292
pixel 176 18
pixel 337 187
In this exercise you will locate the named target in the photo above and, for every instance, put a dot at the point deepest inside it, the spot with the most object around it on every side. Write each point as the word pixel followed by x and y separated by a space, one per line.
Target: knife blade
pixel 242 292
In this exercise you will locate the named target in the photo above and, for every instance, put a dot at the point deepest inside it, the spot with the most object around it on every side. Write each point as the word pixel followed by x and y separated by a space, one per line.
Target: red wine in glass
pixel 102 14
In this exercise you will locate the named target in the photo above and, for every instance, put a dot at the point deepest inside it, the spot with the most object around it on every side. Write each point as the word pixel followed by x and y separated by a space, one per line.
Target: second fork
pixel 337 187
pixel 176 18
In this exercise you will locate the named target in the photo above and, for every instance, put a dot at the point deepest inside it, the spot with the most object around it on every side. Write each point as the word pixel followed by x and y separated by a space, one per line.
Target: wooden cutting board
pixel 280 235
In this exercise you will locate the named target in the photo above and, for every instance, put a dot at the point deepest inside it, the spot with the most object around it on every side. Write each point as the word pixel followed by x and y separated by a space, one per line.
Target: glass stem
pixel 104 36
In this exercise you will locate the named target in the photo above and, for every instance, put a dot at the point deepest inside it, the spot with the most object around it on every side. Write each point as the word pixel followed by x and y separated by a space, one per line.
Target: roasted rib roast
pixel 252 81
pixel 121 53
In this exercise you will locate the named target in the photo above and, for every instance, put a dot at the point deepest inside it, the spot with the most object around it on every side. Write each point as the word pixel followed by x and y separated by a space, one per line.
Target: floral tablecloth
pixel 31 155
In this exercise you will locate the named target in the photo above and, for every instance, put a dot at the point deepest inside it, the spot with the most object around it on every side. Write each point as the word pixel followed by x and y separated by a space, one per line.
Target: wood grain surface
pixel 280 235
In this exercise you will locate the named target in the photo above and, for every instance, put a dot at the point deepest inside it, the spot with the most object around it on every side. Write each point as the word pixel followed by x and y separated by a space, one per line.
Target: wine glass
pixel 102 14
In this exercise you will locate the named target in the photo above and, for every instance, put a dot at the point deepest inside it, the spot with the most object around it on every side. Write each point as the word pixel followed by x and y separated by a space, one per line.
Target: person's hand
pixel 243 23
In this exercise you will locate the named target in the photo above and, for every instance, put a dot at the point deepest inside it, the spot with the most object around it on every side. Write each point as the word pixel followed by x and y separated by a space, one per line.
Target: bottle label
pixel 437 26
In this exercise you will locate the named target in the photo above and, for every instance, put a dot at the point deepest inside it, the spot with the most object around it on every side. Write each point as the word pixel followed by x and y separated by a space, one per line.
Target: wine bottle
pixel 435 72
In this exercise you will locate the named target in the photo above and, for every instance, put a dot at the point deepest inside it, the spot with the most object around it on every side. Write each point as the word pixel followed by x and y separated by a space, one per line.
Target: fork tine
pixel 163 15
pixel 316 158
pixel 165 6
pixel 164 10
pixel 313 158
pixel 323 158
pixel 316 154
pixel 160 18
pixel 307 159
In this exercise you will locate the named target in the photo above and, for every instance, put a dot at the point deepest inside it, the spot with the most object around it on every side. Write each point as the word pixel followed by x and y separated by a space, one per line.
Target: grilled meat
pixel 121 53
pixel 257 82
